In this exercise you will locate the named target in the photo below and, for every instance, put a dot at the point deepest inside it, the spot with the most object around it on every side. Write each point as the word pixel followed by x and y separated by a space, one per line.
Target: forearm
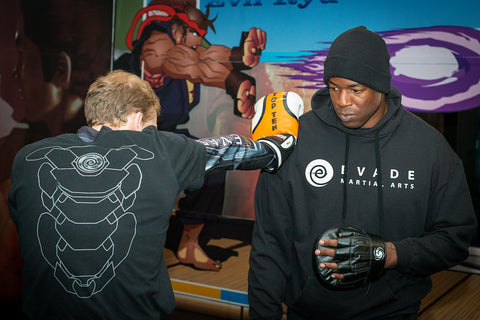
pixel 183 62
pixel 420 256
pixel 235 152
pixel 218 53
pixel 449 227
pixel 391 260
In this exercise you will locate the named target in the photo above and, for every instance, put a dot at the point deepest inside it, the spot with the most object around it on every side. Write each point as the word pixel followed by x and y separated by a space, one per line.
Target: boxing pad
pixel 276 113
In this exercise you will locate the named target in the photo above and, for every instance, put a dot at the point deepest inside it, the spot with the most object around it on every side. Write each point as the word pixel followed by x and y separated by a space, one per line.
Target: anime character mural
pixel 50 54
pixel 170 51
pixel 11 110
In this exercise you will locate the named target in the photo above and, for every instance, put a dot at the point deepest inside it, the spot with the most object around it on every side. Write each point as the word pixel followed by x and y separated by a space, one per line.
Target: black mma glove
pixel 360 257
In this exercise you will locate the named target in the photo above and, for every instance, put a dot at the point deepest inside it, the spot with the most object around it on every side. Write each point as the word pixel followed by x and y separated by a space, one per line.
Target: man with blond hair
pixel 92 209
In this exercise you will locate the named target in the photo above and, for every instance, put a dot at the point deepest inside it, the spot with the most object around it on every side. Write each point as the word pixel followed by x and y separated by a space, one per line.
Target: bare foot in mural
pixel 190 252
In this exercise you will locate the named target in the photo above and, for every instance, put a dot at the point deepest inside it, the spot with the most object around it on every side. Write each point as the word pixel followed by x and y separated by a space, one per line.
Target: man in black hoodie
pixel 362 162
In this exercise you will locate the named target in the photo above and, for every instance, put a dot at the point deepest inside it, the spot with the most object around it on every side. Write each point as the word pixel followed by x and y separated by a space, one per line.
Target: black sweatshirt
pixel 92 219
pixel 399 179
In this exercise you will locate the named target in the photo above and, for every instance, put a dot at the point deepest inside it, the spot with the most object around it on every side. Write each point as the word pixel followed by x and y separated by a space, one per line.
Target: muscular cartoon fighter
pixel 171 53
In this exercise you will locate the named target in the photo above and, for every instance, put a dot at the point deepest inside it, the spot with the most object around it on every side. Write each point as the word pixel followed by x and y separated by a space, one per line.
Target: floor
pixel 189 315
pixel 454 296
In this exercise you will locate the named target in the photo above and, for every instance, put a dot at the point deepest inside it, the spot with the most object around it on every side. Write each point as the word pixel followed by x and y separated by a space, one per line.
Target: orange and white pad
pixel 276 113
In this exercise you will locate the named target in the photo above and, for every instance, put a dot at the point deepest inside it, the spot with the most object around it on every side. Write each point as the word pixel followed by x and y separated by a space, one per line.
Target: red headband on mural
pixel 159 12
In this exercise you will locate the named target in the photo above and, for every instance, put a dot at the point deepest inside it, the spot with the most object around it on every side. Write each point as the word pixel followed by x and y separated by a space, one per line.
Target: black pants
pixel 206 203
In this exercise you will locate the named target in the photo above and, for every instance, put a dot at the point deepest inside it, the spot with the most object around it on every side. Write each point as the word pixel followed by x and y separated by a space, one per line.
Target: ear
pixel 177 34
pixel 138 121
pixel 63 71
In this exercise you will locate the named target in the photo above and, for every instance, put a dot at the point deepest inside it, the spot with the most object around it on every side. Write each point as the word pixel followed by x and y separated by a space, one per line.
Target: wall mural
pixel 209 61
pixel 437 69
pixel 50 53
pixel 435 61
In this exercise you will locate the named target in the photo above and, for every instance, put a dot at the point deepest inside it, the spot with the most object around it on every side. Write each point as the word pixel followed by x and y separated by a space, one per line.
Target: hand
pixel 325 251
pixel 246 96
pixel 241 87
pixel 348 258
pixel 253 46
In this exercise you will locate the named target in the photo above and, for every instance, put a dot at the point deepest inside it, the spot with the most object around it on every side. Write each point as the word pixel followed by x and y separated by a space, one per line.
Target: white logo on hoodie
pixel 319 172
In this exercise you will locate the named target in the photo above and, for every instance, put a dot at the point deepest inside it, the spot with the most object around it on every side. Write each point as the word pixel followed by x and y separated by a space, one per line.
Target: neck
pixel 98 127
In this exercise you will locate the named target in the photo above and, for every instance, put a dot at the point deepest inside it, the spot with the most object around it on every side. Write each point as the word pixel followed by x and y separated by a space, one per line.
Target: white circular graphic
pixel 319 172
pixel 378 253
pixel 90 163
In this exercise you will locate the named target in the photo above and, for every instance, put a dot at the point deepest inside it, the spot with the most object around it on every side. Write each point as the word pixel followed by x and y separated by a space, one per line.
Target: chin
pixel 350 125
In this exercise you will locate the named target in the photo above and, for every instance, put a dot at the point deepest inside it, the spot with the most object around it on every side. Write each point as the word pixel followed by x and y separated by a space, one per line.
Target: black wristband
pixel 232 84
pixel 379 255
pixel 236 55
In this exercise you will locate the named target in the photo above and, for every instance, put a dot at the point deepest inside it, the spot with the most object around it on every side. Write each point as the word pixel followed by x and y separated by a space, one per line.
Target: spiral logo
pixel 319 172
pixel 90 163
pixel 378 253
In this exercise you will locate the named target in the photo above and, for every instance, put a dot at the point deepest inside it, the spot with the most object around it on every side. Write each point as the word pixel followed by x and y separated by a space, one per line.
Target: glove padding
pixel 282 146
pixel 276 113
pixel 360 257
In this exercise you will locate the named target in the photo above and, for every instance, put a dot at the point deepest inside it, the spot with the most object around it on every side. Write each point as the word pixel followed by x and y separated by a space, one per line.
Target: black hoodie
pixel 399 179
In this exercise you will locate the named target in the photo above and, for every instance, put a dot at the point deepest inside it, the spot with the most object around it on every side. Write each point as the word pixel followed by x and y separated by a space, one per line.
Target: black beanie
pixel 359 55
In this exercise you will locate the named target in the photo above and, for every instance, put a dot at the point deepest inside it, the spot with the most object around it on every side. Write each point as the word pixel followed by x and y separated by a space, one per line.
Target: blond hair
pixel 113 97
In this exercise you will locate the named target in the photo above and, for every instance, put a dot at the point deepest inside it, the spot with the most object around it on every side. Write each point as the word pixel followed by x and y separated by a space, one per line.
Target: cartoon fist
pixel 252 45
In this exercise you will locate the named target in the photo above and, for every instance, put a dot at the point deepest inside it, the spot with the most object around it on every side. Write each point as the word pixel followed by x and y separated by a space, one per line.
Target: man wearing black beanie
pixel 359 55
pixel 372 201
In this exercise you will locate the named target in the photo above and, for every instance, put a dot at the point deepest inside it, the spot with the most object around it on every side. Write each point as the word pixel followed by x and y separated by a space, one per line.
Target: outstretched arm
pixel 273 129
pixel 245 56
pixel 235 152
pixel 183 62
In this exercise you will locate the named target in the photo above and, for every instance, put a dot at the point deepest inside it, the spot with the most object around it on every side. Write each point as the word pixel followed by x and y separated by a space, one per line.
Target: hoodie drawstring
pixel 347 151
pixel 379 181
